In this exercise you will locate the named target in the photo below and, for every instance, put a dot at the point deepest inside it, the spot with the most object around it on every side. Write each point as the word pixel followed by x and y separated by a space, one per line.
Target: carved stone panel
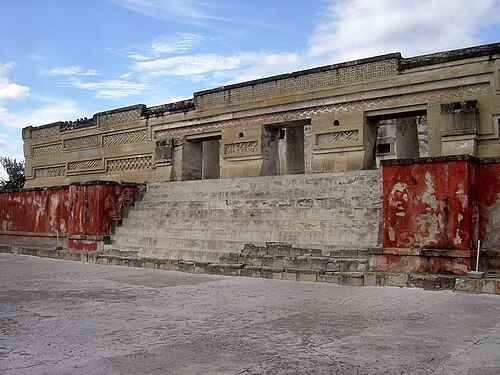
pixel 337 138
pixel 55 171
pixel 94 164
pixel 130 164
pixel 49 131
pixel 244 148
pixel 137 136
pixel 44 150
pixel 82 142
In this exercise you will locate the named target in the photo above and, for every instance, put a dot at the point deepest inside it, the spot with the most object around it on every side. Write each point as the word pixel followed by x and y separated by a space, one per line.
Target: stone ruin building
pixel 377 172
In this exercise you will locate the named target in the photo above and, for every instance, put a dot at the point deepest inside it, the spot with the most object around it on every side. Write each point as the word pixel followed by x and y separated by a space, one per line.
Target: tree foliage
pixel 15 171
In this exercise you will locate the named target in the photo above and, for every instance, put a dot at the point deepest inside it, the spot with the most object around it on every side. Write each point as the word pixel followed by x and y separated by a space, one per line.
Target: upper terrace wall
pixel 318 120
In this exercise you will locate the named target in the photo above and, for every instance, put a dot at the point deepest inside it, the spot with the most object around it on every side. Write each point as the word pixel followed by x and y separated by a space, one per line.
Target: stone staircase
pixel 321 223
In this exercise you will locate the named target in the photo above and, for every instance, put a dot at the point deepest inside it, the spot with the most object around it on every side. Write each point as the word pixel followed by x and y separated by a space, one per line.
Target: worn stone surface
pixel 66 317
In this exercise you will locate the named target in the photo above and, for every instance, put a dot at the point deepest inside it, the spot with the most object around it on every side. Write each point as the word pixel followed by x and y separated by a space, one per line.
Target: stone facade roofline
pixel 395 55
pixel 491 50
pixel 122 109
pixel 448 56
pixel 403 63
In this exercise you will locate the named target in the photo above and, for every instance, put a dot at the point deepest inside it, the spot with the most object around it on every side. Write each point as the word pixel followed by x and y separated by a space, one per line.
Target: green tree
pixel 15 171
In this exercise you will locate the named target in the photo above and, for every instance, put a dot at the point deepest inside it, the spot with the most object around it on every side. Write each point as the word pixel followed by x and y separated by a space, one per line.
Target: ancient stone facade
pixel 339 117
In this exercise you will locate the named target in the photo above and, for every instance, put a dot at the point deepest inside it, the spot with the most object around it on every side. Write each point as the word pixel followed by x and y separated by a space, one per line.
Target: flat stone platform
pixel 59 317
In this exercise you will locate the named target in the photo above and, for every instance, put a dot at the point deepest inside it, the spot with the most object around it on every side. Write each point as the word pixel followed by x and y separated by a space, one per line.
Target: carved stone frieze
pixel 241 149
pixel 44 150
pixel 55 171
pixel 85 164
pixel 360 105
pixel 114 139
pixel 292 85
pixel 130 164
pixel 120 117
pixel 337 138
pixel 82 142
pixel 48 131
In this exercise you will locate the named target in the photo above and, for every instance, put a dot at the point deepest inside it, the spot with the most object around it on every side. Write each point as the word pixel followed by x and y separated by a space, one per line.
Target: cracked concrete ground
pixel 61 317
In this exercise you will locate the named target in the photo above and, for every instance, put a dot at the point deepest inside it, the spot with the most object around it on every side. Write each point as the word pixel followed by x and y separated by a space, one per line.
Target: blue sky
pixel 67 59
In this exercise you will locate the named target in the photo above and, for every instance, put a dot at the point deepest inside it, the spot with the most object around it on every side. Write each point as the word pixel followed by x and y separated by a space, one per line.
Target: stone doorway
pixel 283 149
pixel 397 135
pixel 202 158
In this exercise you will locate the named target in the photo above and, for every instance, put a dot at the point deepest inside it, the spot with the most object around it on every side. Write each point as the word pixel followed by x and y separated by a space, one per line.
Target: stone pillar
pixel 406 138
pixel 211 159
pixel 459 123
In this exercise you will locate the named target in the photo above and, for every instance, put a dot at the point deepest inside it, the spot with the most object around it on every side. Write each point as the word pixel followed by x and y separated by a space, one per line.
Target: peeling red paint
pixel 446 205
pixel 72 211
pixel 435 205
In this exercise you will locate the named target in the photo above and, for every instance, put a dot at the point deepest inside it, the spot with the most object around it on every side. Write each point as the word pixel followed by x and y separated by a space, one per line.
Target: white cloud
pixel 70 71
pixel 180 43
pixel 166 45
pixel 239 66
pixel 10 91
pixel 192 12
pixel 35 57
pixel 51 110
pixel 113 89
pixel 363 28
pixel 194 64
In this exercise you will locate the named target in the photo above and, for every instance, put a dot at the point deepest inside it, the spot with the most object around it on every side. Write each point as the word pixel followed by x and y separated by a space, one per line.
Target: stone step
pixel 271 182
pixel 297 214
pixel 137 226
pixel 344 200
pixel 193 254
pixel 264 193
pixel 160 244
pixel 152 236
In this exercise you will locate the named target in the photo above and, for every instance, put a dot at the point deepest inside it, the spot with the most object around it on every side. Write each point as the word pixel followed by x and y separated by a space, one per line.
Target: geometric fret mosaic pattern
pixel 47 149
pixel 86 164
pixel 130 164
pixel 124 138
pixel 50 172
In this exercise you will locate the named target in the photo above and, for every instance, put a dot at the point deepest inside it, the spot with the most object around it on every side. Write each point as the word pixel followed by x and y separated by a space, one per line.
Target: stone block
pixel 328 278
pixel 431 282
pixel 306 277
pixel 278 275
pixel 256 261
pixel 292 263
pixel 319 262
pixel 392 279
pixel 490 286
pixel 370 279
pixel 250 272
pixel 464 284
pixel 253 268
pixel 333 266
pixel 289 276
pixel 268 261
pixel 351 278
pixel 249 249
pixel 149 264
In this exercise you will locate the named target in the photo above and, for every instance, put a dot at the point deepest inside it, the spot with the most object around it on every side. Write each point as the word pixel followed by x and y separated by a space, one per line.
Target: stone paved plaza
pixel 61 317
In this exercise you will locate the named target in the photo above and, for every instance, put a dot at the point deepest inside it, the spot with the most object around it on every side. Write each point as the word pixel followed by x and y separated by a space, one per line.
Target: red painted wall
pixel 488 191
pixel 443 203
pixel 35 211
pixel 80 212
